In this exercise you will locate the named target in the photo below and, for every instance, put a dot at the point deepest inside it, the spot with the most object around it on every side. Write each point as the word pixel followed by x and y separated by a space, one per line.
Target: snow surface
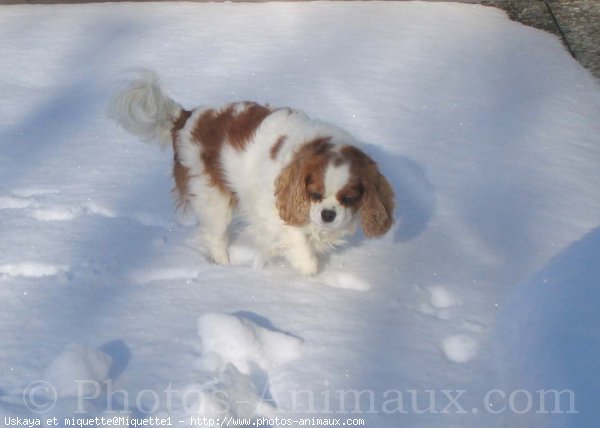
pixel 460 348
pixel 487 129
pixel 77 363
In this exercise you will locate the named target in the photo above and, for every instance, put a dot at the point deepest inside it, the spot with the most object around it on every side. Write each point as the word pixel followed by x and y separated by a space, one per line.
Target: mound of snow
pixel 231 394
pixel 441 297
pixel 345 280
pixel 228 339
pixel 236 353
pixel 76 370
pixel 460 348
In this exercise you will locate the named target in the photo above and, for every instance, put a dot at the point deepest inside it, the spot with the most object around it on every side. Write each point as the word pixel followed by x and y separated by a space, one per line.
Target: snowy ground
pixel 480 297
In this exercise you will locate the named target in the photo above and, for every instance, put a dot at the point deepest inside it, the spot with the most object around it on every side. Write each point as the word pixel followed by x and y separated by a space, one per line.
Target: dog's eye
pixel 315 196
pixel 349 199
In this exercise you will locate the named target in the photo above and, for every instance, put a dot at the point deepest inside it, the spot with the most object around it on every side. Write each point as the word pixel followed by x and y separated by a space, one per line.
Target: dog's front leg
pixel 299 252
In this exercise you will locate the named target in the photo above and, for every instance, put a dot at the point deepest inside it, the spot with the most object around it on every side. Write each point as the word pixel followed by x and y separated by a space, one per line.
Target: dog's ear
pixel 377 209
pixel 290 194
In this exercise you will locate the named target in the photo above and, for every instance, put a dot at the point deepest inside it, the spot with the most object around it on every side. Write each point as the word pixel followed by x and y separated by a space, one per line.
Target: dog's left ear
pixel 377 210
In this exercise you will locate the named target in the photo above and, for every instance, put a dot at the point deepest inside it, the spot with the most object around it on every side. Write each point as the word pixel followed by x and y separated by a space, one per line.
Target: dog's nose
pixel 328 216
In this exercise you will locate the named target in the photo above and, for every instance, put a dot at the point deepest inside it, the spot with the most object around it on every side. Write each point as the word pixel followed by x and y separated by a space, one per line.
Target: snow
pixel 75 369
pixel 230 340
pixel 29 269
pixel 460 348
pixel 487 129
pixel 441 297
pixel 550 325
pixel 237 353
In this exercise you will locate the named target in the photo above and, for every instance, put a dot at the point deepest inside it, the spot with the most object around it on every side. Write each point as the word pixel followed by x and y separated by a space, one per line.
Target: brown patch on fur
pixel 181 174
pixel 350 196
pixel 179 123
pixel 230 125
pixel 339 161
pixel 277 146
pixel 301 177
pixel 315 166
pixel 377 203
pixel 245 123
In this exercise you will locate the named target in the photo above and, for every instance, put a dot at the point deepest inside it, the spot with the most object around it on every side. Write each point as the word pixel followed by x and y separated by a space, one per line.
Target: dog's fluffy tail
pixel 143 109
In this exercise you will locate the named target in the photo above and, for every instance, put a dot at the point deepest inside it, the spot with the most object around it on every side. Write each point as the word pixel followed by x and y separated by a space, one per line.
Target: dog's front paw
pixel 306 265
pixel 220 257
pixel 259 262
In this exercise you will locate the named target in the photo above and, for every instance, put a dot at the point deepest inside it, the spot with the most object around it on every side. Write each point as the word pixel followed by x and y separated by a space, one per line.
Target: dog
pixel 300 184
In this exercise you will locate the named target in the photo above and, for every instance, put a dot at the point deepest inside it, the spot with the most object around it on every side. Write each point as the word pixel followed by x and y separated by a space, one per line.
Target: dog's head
pixel 329 185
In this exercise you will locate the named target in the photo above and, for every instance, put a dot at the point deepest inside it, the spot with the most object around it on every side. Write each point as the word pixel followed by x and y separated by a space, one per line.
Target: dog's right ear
pixel 290 194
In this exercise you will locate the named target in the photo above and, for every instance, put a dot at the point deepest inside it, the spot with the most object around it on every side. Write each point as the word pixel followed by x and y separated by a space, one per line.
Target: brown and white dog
pixel 300 184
